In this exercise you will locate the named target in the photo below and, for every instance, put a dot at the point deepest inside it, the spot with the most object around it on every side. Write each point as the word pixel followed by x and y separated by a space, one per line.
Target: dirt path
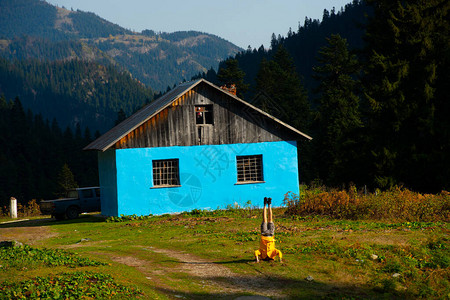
pixel 211 277
pixel 32 234
pixel 214 276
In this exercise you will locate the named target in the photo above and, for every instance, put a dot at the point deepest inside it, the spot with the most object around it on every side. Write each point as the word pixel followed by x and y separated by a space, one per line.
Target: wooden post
pixel 13 208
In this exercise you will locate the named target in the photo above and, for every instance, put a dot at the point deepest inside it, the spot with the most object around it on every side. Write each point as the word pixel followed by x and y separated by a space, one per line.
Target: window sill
pixel 164 186
pixel 248 182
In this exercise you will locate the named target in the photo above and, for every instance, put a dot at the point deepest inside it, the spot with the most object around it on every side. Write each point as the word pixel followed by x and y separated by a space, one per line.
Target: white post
pixel 13 208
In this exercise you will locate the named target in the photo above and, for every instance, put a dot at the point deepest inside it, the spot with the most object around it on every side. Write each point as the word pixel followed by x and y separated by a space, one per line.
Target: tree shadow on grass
pixel 275 288
pixel 85 218
pixel 238 261
pixel 264 284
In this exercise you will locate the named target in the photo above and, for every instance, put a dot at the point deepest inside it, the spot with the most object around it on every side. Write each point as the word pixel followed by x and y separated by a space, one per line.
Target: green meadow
pixel 209 255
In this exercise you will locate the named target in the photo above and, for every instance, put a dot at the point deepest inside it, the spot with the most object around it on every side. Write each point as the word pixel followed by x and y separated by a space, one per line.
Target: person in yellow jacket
pixel 267 249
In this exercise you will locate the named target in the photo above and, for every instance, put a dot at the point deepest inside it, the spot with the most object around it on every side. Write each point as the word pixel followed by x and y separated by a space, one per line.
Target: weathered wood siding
pixel 233 123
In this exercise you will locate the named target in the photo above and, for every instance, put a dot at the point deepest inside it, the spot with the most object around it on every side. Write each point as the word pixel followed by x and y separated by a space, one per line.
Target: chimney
pixel 229 88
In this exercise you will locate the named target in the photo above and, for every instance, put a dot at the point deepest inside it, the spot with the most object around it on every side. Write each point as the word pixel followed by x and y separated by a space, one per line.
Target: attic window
pixel 166 173
pixel 249 169
pixel 203 114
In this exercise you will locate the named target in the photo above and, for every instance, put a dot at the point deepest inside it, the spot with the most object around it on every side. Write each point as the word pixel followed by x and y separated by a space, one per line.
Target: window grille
pixel 166 172
pixel 249 168
pixel 203 114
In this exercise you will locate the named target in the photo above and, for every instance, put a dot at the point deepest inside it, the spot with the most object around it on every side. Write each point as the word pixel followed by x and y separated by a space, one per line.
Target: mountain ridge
pixel 156 59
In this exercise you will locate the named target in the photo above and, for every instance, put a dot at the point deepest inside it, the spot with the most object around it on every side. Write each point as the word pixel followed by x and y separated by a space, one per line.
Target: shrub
pixel 29 210
pixel 32 209
pixel 395 204
pixel 126 218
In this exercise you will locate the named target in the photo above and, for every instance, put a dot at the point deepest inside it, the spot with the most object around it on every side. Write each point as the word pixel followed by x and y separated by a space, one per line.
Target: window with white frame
pixel 204 115
pixel 249 168
pixel 166 173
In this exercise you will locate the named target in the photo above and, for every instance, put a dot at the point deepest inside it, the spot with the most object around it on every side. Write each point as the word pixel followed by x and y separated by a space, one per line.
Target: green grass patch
pixel 77 285
pixel 27 257
pixel 347 259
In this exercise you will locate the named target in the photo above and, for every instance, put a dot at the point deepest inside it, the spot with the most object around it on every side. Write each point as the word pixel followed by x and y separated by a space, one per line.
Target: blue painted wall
pixel 108 182
pixel 207 175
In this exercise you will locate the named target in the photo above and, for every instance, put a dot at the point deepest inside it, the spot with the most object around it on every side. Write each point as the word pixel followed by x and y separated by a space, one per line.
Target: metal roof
pixel 108 139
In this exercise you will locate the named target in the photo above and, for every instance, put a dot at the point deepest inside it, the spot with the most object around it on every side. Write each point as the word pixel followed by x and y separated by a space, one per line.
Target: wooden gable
pixel 172 121
pixel 232 123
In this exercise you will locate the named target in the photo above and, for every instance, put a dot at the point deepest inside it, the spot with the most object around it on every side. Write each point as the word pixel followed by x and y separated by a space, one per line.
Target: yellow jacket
pixel 267 248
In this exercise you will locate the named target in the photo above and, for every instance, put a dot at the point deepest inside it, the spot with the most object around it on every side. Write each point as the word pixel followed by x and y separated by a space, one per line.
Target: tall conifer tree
pixel 338 118
pixel 232 74
pixel 66 180
pixel 285 98
pixel 408 52
pixel 279 80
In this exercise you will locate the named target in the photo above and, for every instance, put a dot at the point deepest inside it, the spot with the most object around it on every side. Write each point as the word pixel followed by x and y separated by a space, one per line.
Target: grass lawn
pixel 202 255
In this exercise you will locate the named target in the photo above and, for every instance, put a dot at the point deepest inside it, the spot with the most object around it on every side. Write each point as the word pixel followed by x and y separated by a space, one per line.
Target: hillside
pixel 162 60
pixel 73 92
pixel 369 82
pixel 376 80
pixel 41 19
pixel 34 151
pixel 304 43
pixel 36 29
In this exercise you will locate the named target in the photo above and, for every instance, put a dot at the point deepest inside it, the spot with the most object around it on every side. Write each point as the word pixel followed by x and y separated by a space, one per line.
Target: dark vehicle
pixel 77 201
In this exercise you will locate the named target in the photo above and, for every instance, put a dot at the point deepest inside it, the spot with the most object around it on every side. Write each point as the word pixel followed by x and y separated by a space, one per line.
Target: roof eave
pixel 261 111
pixel 93 145
pixel 103 149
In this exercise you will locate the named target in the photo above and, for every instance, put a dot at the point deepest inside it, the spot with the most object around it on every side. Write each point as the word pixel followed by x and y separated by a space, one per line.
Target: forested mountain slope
pixel 74 92
pixel 80 68
pixel 304 43
pixel 369 83
pixel 156 59
pixel 375 77
pixel 34 152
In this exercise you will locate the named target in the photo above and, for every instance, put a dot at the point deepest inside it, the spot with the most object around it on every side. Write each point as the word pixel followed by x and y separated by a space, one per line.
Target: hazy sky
pixel 242 22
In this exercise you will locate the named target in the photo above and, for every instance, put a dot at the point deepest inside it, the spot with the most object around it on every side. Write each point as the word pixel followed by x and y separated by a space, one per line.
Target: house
pixel 196 147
